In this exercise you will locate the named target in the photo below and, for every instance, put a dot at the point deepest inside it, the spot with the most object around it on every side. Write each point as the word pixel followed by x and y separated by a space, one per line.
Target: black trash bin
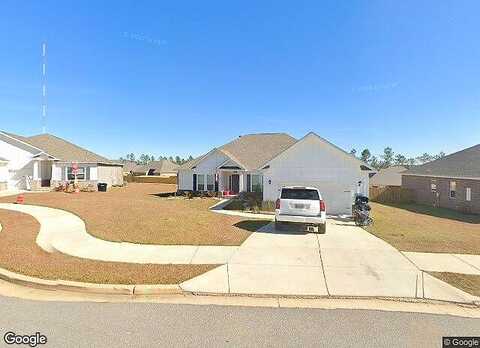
pixel 102 187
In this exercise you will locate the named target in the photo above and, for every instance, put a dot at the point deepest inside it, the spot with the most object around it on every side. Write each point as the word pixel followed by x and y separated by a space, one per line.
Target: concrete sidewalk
pixel 439 262
pixel 65 232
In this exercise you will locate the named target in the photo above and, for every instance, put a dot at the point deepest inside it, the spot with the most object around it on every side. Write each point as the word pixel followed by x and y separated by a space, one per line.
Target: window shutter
pixel 249 181
pixel 194 182
pixel 87 174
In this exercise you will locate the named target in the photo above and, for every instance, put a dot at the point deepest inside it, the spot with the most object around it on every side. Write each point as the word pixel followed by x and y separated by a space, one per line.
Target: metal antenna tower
pixel 44 87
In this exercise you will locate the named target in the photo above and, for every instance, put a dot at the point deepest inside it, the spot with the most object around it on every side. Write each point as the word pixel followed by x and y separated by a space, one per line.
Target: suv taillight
pixel 322 206
pixel 277 204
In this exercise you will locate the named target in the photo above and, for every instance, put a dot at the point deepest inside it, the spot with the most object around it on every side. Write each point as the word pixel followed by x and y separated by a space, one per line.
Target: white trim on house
pixel 349 155
pixel 444 176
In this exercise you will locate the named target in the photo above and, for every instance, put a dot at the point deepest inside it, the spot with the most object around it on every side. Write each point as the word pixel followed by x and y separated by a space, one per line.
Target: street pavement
pixel 87 324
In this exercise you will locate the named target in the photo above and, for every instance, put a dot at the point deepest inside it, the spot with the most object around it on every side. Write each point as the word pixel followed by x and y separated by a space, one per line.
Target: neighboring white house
pixel 3 174
pixel 44 160
pixel 266 162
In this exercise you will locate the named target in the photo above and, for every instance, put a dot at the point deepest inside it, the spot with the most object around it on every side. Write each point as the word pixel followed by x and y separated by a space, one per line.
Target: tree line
pixel 146 158
pixel 389 158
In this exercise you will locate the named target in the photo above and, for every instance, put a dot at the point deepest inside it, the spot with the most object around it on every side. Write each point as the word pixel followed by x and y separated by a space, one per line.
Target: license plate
pixel 299 206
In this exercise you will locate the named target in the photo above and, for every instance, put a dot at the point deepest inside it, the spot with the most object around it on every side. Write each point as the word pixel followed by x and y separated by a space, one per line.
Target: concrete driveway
pixel 346 261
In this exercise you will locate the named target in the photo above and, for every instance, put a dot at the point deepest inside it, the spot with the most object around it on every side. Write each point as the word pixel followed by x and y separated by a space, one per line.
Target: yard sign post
pixel 75 172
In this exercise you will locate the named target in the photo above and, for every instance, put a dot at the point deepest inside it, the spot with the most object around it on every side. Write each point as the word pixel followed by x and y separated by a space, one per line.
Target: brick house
pixel 451 182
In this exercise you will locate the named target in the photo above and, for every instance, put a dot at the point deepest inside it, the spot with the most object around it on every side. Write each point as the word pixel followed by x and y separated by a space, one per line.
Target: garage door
pixel 337 198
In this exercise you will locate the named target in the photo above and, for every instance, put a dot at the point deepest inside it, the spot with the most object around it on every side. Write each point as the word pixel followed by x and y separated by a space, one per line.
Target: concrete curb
pixel 173 294
pixel 82 287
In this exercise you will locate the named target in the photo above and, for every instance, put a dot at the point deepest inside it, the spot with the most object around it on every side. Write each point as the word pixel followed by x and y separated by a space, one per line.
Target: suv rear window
pixel 300 194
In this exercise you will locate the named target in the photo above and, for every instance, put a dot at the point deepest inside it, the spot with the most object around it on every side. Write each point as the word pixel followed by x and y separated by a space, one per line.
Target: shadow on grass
pixel 251 225
pixel 165 194
pixel 435 212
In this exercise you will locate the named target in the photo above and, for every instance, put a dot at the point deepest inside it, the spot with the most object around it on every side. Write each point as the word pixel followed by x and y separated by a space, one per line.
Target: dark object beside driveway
pixel 102 187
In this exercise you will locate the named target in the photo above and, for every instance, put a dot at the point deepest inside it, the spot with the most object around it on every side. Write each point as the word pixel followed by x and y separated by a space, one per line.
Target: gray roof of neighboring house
pixel 129 166
pixel 160 166
pixel 390 176
pixel 461 164
pixel 251 150
pixel 62 149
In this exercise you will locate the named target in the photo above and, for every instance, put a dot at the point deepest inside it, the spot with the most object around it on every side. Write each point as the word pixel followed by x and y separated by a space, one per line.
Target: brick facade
pixel 423 194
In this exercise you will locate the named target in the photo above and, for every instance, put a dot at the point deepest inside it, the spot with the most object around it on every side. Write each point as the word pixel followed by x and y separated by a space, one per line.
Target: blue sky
pixel 183 77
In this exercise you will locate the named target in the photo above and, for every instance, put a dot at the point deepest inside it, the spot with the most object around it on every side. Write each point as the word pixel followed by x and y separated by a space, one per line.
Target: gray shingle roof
pixel 160 166
pixel 462 164
pixel 388 177
pixel 252 150
pixel 62 149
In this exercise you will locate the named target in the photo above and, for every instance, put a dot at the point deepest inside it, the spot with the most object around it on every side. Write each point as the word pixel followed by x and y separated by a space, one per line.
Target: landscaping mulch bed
pixel 20 253
pixel 141 213
pixel 413 227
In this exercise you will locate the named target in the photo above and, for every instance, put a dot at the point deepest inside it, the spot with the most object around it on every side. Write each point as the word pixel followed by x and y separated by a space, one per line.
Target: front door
pixel 235 183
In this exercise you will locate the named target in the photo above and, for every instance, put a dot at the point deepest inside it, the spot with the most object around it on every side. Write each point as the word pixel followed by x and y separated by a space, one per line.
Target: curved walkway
pixel 347 261
pixel 65 232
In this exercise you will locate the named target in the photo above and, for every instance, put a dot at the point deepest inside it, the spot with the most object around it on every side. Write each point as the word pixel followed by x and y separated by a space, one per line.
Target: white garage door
pixel 338 199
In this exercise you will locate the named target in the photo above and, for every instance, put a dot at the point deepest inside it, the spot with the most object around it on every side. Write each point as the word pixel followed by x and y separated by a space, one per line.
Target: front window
pixel 80 173
pixel 200 182
pixel 210 182
pixel 257 181
pixel 453 189
pixel 469 194
pixel 433 186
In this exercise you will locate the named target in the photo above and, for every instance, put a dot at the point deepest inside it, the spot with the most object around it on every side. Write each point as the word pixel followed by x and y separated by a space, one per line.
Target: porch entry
pixel 234 183
pixel 45 173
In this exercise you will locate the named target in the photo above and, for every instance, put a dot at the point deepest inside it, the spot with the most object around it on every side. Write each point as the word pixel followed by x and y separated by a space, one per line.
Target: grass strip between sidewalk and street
pixel 467 282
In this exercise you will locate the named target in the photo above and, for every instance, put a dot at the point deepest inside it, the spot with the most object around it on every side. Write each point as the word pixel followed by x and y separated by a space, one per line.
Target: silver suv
pixel 301 205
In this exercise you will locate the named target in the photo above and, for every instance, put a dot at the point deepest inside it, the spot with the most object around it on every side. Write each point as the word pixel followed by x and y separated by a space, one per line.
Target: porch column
pixel 36 170
pixel 240 182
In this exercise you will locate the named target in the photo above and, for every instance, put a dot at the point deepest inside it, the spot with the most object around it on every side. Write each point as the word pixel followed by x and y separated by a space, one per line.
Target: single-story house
pixel 162 167
pixel 42 161
pixel 129 167
pixel 450 182
pixel 266 162
pixel 388 177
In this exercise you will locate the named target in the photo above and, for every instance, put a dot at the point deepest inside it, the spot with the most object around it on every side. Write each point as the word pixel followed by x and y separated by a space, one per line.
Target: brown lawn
pixel 413 227
pixel 138 214
pixel 466 282
pixel 19 253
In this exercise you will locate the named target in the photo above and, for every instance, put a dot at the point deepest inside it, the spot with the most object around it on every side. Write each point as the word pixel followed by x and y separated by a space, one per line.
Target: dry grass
pixel 19 253
pixel 413 227
pixel 466 282
pixel 138 214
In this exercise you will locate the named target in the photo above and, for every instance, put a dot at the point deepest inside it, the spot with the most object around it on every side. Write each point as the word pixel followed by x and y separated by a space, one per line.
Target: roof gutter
pixel 443 176
pixel 24 143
